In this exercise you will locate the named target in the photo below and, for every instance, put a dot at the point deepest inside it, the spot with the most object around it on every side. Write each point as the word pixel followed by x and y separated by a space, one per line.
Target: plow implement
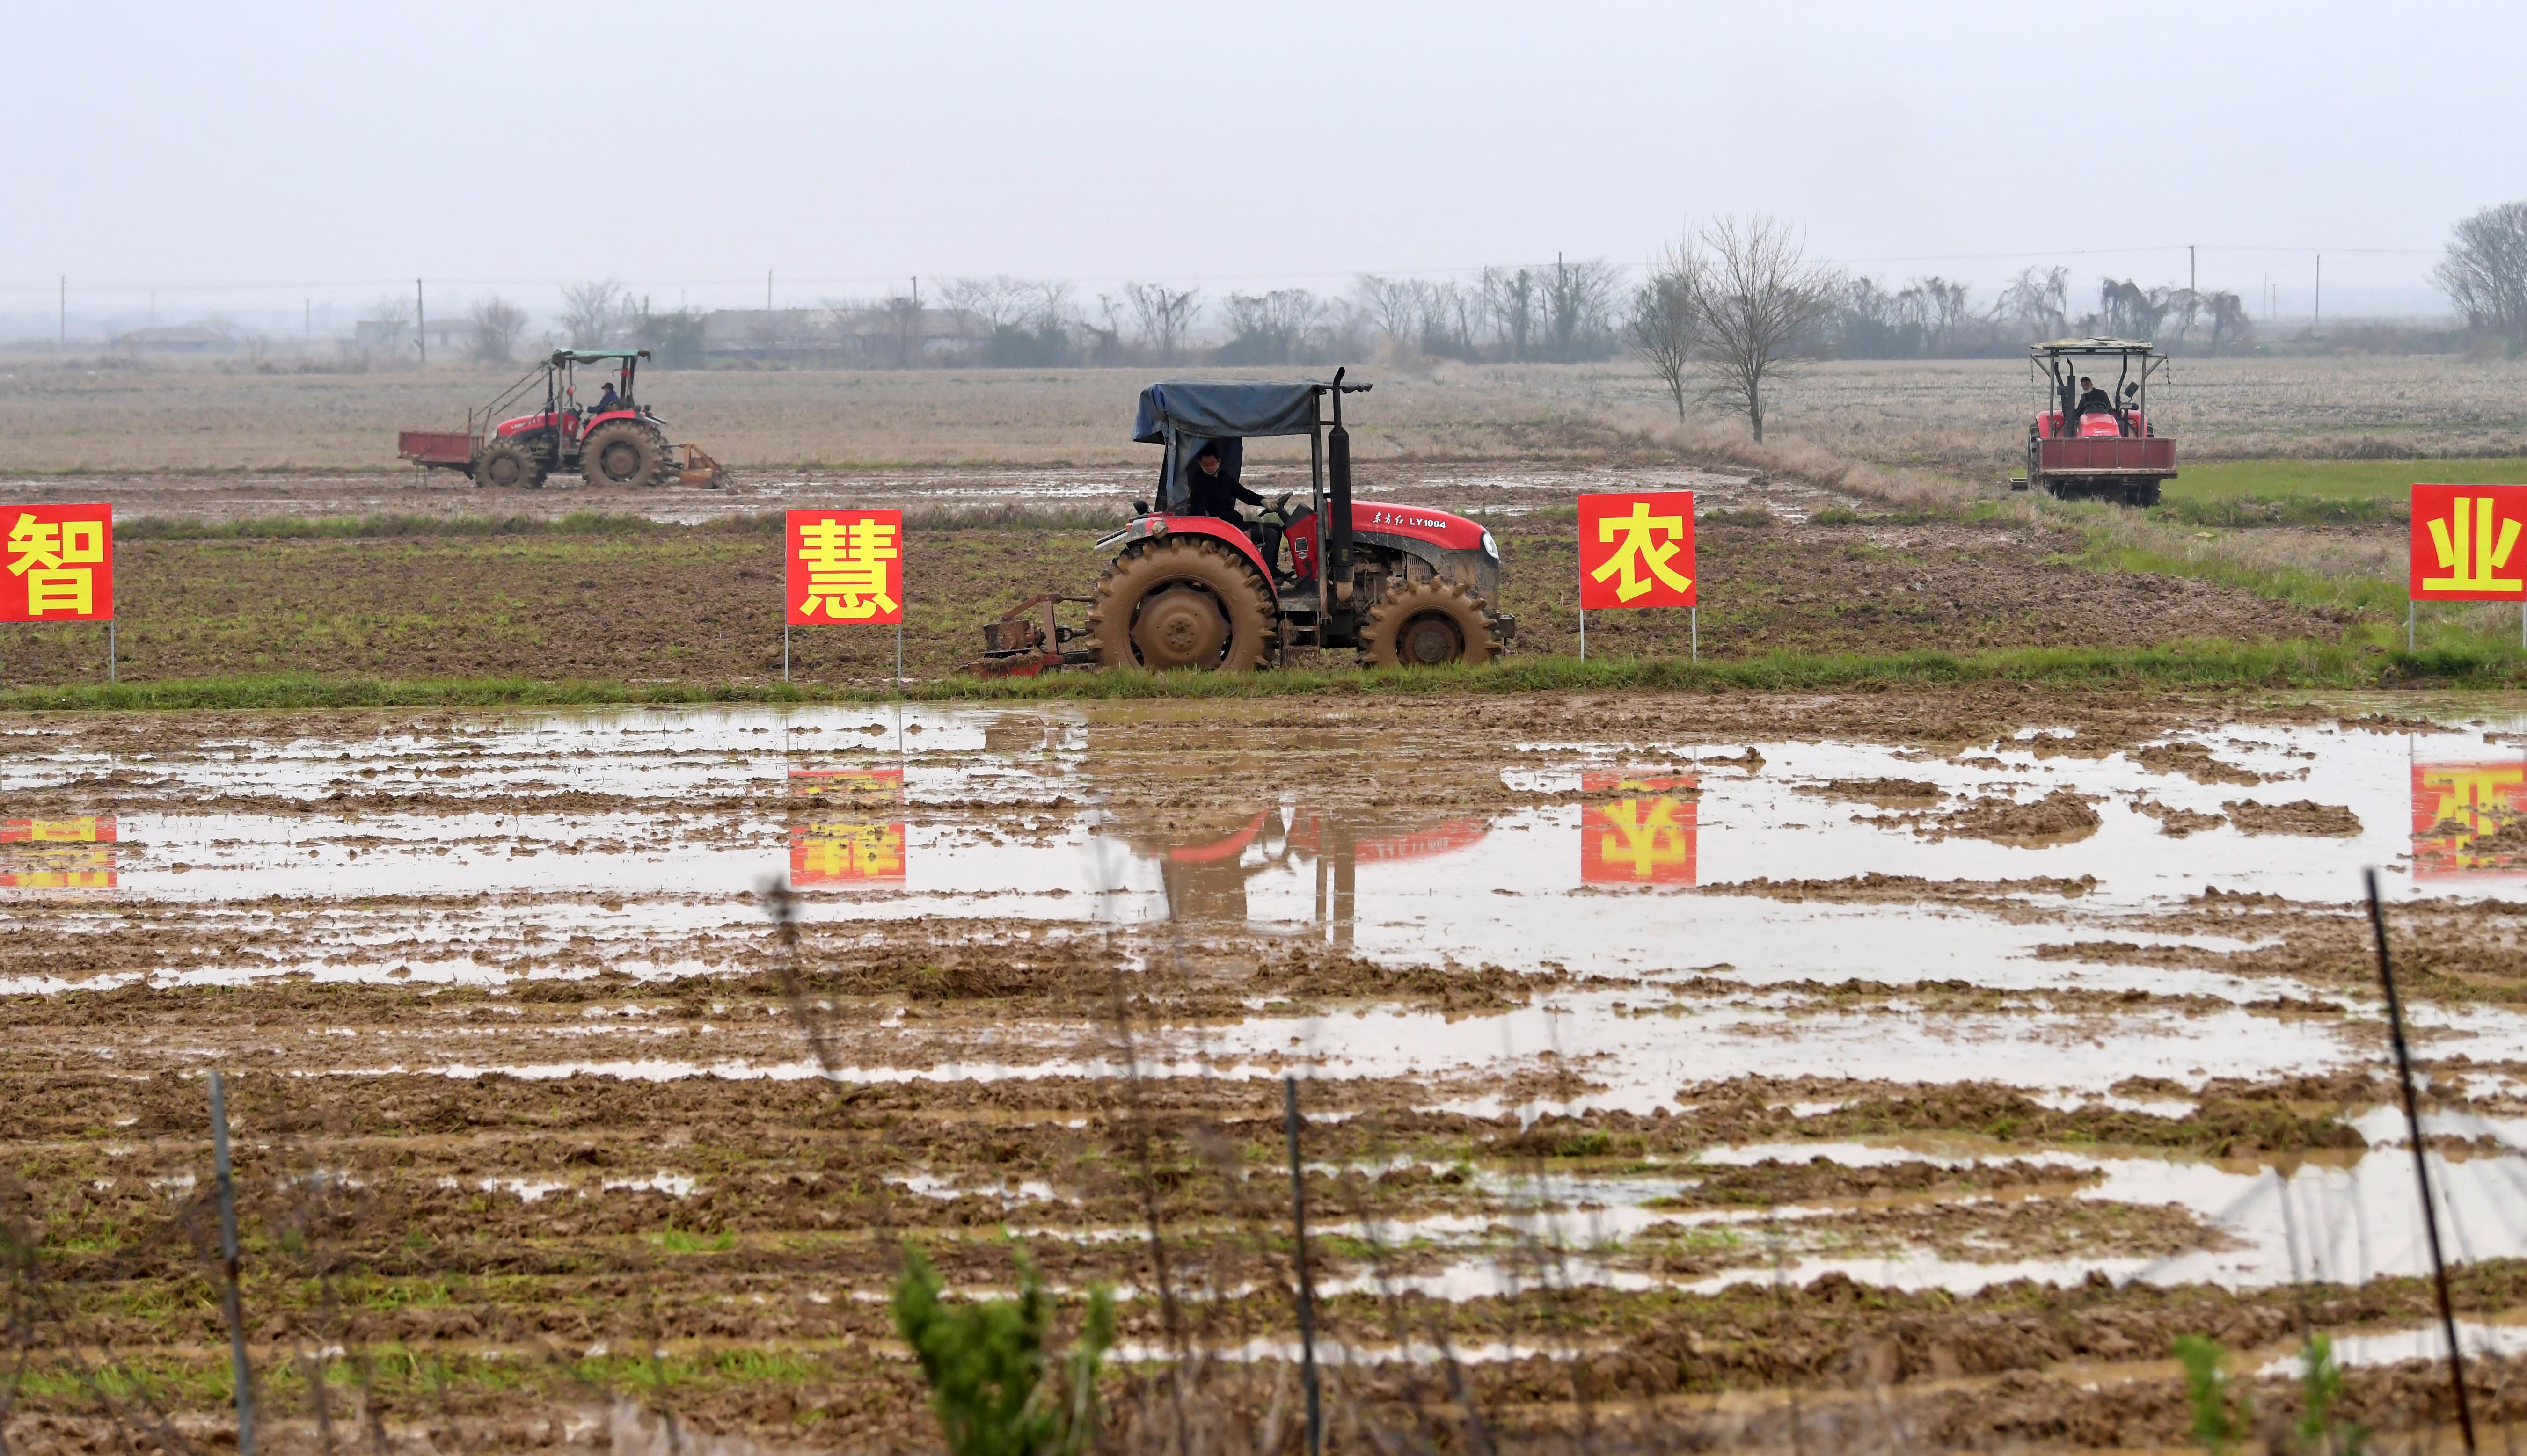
pixel 1029 640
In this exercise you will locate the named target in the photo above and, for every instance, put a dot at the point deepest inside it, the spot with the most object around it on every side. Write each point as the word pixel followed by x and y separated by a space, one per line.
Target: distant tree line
pixel 1719 314
pixel 1936 317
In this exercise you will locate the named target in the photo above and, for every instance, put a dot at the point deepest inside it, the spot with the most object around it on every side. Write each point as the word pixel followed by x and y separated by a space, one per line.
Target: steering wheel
pixel 1281 507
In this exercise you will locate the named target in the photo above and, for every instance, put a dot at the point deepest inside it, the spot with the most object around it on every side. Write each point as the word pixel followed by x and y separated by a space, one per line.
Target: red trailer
pixel 2092 440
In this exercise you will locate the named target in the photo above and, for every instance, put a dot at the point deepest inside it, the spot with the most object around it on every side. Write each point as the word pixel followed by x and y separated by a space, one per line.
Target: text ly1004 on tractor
pixel 617 442
pixel 1402 585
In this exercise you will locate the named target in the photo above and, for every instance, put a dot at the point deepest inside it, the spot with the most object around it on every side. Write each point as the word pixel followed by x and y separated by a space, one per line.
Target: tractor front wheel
pixel 1427 625
pixel 506 464
pixel 619 452
pixel 1183 603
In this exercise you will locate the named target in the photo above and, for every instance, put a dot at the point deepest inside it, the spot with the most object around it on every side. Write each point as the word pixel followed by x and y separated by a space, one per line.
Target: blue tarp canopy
pixel 1185 415
pixel 1219 409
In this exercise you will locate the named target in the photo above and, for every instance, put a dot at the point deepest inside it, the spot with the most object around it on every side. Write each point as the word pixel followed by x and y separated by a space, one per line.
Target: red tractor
pixel 1402 585
pixel 2097 441
pixel 614 442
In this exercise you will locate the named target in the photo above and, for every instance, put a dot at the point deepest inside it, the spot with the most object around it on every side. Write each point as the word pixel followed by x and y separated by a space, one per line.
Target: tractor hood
pixel 1223 408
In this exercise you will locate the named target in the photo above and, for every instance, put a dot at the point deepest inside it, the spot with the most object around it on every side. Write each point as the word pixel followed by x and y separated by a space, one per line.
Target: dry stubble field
pixel 1967 416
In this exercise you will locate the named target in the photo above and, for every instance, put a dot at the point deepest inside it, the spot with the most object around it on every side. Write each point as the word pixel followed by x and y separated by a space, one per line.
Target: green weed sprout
pixel 2320 1390
pixel 2218 1424
pixel 986 1362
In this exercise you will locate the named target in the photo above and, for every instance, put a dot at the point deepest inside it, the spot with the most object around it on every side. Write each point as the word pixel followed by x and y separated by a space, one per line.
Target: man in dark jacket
pixel 609 401
pixel 1214 492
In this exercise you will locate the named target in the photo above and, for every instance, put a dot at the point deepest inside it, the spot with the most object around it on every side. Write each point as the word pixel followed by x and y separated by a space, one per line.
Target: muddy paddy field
pixel 684 585
pixel 1893 1070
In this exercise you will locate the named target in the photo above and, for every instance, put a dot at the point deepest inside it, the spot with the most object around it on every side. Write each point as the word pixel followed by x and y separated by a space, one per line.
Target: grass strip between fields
pixel 2198 665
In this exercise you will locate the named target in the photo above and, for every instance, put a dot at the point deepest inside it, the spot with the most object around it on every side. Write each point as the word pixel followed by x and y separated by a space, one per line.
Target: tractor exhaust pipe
pixel 1338 475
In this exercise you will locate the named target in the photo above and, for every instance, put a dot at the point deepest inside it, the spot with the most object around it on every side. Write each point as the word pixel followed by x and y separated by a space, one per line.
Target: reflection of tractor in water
pixel 615 441
pixel 2093 441
pixel 1402 585
pixel 1206 874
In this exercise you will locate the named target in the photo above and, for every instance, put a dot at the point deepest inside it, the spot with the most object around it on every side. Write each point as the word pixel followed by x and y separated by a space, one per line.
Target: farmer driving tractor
pixel 1212 489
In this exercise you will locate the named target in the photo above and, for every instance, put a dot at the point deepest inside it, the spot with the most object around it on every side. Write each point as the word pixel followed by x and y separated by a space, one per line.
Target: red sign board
pixel 851 830
pixel 57 853
pixel 2469 818
pixel 2470 543
pixel 844 566
pixel 1645 833
pixel 1636 550
pixel 60 562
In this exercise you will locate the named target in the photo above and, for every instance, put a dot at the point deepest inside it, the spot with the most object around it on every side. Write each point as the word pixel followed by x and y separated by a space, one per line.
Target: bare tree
pixel 2186 305
pixel 1762 309
pixel 902 313
pixel 497 323
pixel 591 313
pixel 1272 328
pixel 2485 272
pixel 1164 316
pixel 992 301
pixel 2041 302
pixel 1579 307
pixel 2126 310
pixel 1510 298
pixel 2228 322
pixel 1395 306
pixel 1664 324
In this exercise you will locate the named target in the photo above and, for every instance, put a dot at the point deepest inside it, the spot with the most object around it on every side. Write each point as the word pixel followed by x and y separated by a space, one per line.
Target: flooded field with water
pixel 1919 1061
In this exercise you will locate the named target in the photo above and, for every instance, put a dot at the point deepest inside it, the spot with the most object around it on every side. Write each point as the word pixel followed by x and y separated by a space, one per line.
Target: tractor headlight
pixel 1491 548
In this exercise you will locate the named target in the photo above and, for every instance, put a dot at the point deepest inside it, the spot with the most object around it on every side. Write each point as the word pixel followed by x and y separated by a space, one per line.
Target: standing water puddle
pixel 1708 888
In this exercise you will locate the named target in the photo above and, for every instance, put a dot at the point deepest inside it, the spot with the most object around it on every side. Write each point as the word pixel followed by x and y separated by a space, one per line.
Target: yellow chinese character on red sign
pixel 2465 543
pixel 62 560
pixel 1636 549
pixel 846 567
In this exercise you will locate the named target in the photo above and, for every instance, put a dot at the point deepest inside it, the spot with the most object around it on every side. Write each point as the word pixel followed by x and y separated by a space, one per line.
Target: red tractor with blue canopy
pixel 1402 585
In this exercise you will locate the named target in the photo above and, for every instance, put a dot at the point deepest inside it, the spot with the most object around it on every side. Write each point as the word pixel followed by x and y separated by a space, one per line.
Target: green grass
pixel 2213 664
pixel 2333 480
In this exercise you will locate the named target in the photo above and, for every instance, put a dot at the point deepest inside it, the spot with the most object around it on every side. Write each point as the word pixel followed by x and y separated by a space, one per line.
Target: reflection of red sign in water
pixel 2469 818
pixel 57 853
pixel 1644 834
pixel 851 830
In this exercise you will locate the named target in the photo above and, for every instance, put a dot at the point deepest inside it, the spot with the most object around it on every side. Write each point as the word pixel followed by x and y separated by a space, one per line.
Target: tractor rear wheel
pixel 507 463
pixel 1182 603
pixel 1427 625
pixel 619 452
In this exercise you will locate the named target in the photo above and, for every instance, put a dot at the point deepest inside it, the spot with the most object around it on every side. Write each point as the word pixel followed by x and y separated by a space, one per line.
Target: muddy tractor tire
pixel 508 464
pixel 619 452
pixel 1183 603
pixel 1427 625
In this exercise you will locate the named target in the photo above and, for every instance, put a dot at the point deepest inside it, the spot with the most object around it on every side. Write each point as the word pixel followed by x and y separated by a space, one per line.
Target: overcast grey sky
pixel 321 150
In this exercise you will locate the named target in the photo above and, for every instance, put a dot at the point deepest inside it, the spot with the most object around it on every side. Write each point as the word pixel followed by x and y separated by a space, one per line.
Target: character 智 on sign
pixel 2468 545
pixel 846 567
pixel 1636 550
pixel 60 563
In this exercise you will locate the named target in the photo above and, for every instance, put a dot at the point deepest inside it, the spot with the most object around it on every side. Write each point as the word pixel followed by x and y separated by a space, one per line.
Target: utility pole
pixel 66 309
pixel 768 290
pixel 420 324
